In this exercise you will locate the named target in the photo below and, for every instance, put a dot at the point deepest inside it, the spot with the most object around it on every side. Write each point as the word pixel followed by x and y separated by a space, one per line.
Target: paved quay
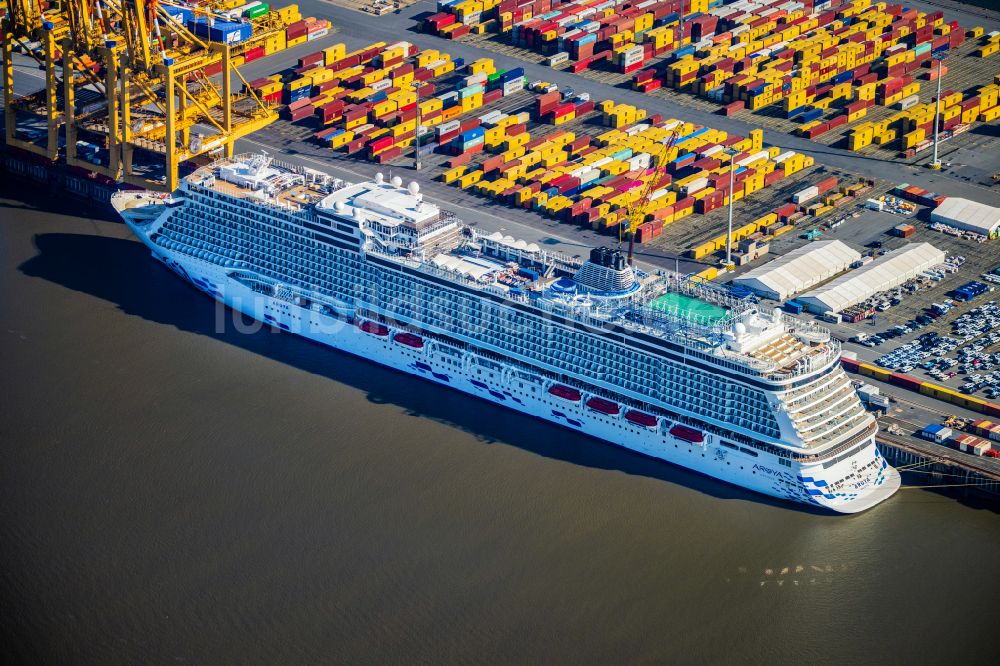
pixel 357 29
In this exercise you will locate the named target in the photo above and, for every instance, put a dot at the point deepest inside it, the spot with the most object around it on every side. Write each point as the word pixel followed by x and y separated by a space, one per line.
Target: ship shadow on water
pixel 121 271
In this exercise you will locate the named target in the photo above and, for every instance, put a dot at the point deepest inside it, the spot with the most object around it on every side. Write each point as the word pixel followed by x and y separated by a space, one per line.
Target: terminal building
pixel 890 270
pixel 799 270
pixel 968 216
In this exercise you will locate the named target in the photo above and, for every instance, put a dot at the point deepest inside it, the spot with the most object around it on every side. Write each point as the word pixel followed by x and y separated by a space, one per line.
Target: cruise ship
pixel 656 362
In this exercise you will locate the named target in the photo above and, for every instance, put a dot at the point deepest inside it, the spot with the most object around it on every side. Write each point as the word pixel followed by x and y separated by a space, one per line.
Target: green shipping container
pixel 257 11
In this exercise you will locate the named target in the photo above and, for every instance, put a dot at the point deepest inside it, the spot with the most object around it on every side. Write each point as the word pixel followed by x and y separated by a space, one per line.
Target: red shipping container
pixel 826 184
pixel 300 113
pixel 253 54
pixel 355 146
pixel 733 107
pixel 906 381
pixel 380 143
pixel 389 155
pixel 773 177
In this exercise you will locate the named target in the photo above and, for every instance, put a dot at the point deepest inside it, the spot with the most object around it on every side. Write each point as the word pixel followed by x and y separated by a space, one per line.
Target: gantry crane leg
pixel 69 102
pixel 52 115
pixel 10 119
pixel 170 140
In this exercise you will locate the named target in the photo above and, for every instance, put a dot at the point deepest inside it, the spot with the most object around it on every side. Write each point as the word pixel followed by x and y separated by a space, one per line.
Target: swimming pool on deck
pixel 691 308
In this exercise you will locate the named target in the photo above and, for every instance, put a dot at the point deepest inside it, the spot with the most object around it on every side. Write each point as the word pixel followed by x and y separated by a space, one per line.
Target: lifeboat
pixel 603 406
pixel 374 328
pixel 640 418
pixel 687 434
pixel 409 339
pixel 565 392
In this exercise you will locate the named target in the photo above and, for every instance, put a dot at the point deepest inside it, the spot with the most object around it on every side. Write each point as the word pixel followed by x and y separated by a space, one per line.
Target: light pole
pixel 936 164
pixel 732 152
pixel 416 132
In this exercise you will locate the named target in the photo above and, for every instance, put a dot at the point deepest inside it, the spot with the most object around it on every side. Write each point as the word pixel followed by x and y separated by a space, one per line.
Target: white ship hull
pixel 460 370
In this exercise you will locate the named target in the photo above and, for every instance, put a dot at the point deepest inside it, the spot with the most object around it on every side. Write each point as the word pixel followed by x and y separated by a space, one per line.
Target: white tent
pixel 968 216
pixel 799 269
pixel 888 271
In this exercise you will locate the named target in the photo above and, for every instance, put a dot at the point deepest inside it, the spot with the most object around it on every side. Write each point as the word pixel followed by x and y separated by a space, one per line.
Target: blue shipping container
pixel 811 114
pixel 223 32
pixel 512 74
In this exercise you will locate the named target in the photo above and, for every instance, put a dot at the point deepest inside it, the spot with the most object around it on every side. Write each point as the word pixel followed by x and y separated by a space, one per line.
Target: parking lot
pixel 966 359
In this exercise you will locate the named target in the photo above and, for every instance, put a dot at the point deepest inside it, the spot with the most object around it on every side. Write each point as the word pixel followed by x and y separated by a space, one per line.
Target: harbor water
pixel 179 486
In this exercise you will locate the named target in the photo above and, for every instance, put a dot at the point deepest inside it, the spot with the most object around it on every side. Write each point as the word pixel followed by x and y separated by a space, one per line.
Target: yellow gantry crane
pixel 37 31
pixel 636 209
pixel 129 76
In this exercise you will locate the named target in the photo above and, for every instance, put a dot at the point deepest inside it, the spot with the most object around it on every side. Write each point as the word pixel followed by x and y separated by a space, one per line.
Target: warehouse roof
pixel 888 271
pixel 800 269
pixel 968 215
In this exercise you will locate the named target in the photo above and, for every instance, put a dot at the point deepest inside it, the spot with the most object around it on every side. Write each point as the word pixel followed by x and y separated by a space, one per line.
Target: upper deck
pixel 395 223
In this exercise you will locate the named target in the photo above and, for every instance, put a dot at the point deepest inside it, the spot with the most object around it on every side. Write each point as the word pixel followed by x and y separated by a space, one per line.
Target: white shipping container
pixel 381 85
pixel 640 161
pixel 492 118
pixel 637 129
pixel 753 158
pixel 513 86
pixel 660 193
pixel 874 204
pixel 805 195
pixel 451 126
pixel 473 19
pixel 908 102
pixel 784 156
pixel 558 58
pixel 695 185
pixel 475 78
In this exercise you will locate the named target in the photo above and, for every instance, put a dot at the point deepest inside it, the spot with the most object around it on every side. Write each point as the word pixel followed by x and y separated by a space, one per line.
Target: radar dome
pixel 777 313
pixel 413 188
pixel 396 181
pixel 379 178
pixel 339 206
pixel 741 329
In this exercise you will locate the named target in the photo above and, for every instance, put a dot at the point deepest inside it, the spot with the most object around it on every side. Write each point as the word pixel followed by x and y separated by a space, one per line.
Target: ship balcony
pixel 836 428
pixel 821 401
pixel 828 412
pixel 802 398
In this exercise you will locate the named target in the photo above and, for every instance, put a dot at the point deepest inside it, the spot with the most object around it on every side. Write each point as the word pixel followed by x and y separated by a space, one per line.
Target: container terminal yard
pixel 578 159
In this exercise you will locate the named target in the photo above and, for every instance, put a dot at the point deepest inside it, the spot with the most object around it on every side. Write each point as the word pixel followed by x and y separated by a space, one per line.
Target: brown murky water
pixel 176 494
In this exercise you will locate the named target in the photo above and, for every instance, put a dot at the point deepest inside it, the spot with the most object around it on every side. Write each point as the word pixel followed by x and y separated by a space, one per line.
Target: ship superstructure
pixel 659 363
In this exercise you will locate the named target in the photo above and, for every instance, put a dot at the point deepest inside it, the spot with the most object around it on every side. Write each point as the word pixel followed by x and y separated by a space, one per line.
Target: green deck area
pixel 688 307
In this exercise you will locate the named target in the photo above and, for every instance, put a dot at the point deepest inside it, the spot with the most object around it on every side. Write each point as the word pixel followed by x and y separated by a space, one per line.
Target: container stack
pixel 368 102
pixel 625 32
pixel 593 181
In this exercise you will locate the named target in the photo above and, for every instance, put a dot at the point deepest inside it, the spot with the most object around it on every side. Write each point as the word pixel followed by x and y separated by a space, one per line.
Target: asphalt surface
pixel 357 29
